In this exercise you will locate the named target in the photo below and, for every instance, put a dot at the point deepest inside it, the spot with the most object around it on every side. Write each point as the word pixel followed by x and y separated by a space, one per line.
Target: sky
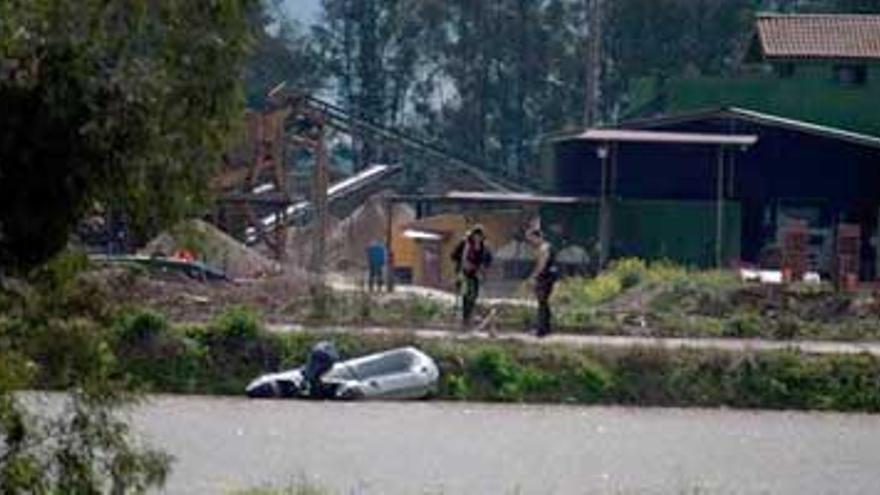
pixel 305 11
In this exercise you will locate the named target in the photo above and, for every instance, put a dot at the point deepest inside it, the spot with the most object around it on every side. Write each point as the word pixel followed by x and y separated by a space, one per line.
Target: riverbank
pixel 222 356
pixel 72 319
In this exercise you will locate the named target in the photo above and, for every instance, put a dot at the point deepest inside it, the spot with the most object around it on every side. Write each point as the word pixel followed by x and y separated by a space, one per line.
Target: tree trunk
pixel 594 63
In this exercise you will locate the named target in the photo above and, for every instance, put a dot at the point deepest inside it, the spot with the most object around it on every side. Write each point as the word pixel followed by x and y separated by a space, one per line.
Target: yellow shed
pixel 423 248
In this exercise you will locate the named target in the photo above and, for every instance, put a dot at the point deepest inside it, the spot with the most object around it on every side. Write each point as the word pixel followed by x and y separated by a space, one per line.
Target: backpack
pixel 457 256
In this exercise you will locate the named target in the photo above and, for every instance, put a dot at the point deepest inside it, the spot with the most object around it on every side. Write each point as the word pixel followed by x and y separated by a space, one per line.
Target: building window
pixel 851 74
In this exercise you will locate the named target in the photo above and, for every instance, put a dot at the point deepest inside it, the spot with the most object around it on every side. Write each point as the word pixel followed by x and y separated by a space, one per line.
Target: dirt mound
pixel 369 222
pixel 214 247
pixel 184 299
pixel 821 304
pixel 348 238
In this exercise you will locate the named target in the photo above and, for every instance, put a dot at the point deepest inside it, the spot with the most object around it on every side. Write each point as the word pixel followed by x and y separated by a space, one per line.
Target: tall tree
pixel 282 52
pixel 855 6
pixel 506 64
pixel 663 38
pixel 119 102
pixel 490 78
pixel 371 49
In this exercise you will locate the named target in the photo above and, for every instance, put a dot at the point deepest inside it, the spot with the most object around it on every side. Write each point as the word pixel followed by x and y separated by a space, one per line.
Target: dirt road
pixel 725 344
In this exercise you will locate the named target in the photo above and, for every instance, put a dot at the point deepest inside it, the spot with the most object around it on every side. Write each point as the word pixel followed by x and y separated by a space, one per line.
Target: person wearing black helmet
pixel 543 278
pixel 322 357
pixel 472 257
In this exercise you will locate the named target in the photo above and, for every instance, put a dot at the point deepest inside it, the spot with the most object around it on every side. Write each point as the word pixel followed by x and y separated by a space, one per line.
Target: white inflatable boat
pixel 398 374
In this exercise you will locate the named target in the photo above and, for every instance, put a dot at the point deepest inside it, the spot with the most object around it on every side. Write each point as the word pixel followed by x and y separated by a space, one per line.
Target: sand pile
pixel 213 247
pixel 369 222
pixel 348 238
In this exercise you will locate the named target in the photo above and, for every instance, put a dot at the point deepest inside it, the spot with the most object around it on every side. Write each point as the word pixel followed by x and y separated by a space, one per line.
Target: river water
pixel 450 448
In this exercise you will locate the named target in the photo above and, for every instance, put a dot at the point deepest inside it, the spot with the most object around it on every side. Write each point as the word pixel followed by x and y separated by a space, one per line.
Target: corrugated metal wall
pixel 680 231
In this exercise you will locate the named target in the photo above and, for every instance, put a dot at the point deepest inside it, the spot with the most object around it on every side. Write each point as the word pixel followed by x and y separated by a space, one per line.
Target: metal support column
pixel 719 213
pixel 389 238
pixel 605 206
pixel 319 199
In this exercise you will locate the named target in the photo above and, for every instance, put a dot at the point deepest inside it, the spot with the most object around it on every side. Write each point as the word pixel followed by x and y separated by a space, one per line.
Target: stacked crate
pixel 795 249
pixel 846 256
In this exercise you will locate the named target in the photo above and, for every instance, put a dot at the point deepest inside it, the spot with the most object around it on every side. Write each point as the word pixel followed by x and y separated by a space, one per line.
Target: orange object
pixel 786 275
pixel 184 255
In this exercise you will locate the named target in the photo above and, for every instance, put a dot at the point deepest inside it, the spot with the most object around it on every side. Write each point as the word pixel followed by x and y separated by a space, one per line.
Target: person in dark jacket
pixel 376 256
pixel 322 357
pixel 543 278
pixel 471 257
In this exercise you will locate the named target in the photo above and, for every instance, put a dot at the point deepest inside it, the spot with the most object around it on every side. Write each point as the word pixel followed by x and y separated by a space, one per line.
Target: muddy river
pixel 223 445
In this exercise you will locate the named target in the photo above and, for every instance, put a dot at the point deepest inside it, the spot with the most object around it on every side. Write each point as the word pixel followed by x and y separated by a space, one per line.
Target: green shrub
pixel 602 289
pixel 59 274
pixel 497 375
pixel 577 316
pixel 787 327
pixel 364 305
pixel 744 326
pixel 423 310
pixel 537 382
pixel 16 372
pixel 456 386
pixel 640 376
pixel 697 378
pixel 703 293
pixel 300 487
pixel 66 351
pixel 142 326
pixel 61 288
pixel 594 381
pixel 629 271
pixel 665 271
pixel 577 295
pixel 237 324
pixel 494 366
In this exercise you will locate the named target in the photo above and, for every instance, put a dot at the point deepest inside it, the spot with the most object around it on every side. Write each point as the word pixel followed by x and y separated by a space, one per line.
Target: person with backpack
pixel 543 277
pixel 471 257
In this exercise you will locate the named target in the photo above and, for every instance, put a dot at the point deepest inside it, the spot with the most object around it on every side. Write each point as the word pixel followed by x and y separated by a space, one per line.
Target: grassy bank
pixel 630 298
pixel 221 357
pixel 665 300
pixel 633 297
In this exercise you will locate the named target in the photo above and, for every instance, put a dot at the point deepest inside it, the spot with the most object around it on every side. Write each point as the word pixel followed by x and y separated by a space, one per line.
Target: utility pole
pixel 607 151
pixel 594 10
pixel 312 136
pixel 319 200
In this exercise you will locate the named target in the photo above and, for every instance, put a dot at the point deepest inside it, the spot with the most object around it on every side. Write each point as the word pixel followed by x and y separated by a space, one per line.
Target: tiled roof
pixel 819 36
